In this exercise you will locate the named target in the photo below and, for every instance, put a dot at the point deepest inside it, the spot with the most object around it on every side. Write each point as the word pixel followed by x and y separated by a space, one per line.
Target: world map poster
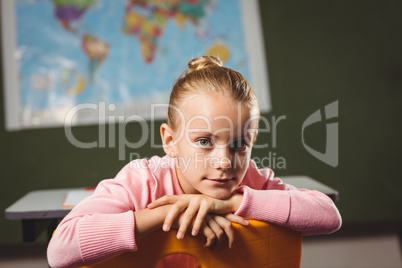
pixel 69 59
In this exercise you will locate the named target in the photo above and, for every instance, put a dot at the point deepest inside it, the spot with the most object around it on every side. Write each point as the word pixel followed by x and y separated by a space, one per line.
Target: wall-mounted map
pixel 62 54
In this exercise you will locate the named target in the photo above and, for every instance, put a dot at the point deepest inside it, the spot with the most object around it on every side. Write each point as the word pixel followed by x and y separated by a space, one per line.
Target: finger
pixel 237 219
pixel 202 213
pixel 226 225
pixel 186 219
pixel 216 228
pixel 209 234
pixel 164 200
pixel 174 211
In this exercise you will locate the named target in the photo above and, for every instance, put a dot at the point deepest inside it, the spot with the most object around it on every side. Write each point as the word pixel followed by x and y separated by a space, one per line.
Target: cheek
pixel 242 159
pixel 189 167
pixel 241 165
pixel 184 152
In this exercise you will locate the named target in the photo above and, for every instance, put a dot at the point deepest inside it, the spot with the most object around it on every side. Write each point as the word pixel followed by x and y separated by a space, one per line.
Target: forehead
pixel 215 113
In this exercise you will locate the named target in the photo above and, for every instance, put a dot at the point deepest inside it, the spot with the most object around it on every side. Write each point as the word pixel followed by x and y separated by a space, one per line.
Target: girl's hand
pixel 214 228
pixel 219 225
pixel 197 204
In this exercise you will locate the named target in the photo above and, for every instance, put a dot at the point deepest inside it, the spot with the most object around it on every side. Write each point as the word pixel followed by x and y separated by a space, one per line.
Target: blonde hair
pixel 205 75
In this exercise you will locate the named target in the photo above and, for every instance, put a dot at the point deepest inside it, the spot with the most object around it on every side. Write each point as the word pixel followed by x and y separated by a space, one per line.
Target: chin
pixel 222 195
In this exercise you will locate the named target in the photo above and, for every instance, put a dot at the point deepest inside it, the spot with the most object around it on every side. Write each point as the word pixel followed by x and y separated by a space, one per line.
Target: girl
pixel 205 181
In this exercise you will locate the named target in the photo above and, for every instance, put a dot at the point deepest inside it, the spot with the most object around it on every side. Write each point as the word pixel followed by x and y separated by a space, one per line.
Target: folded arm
pixel 306 211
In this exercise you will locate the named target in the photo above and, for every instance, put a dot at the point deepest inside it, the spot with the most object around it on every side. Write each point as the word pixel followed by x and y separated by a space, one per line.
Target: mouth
pixel 219 180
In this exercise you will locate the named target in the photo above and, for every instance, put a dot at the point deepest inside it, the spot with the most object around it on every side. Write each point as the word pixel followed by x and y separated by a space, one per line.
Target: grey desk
pixel 311 184
pixel 42 209
pixel 38 211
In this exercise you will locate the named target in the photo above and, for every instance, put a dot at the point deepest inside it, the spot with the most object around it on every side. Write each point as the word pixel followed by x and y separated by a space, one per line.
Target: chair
pixel 258 245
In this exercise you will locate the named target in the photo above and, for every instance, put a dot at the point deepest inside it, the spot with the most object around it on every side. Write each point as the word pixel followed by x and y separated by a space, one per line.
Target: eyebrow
pixel 200 133
pixel 209 135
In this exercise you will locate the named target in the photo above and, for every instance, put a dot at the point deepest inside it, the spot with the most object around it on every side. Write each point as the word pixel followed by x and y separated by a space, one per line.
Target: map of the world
pixel 127 53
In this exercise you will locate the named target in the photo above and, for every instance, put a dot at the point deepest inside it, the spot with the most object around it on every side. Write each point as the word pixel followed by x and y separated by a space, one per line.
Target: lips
pixel 219 180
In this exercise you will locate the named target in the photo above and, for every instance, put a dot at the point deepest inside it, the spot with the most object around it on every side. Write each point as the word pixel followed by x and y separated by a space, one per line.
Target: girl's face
pixel 213 144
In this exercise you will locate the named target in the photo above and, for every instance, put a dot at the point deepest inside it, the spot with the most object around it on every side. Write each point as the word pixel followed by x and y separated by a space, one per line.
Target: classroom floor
pixel 335 251
pixel 353 251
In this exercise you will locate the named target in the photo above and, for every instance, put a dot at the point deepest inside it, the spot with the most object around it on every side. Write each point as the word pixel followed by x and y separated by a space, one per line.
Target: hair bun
pixel 203 62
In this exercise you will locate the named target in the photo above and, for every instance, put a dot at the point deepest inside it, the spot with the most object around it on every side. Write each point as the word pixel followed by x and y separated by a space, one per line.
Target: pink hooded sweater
pixel 102 225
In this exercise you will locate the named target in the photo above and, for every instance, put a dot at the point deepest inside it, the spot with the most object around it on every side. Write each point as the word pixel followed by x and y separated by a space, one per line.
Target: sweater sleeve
pixel 102 225
pixel 270 200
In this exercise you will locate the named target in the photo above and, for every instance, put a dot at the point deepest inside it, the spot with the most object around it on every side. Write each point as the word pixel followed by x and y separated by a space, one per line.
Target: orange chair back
pixel 258 245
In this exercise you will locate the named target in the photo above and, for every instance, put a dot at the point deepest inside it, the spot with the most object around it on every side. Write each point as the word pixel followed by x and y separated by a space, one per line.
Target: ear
pixel 255 135
pixel 168 140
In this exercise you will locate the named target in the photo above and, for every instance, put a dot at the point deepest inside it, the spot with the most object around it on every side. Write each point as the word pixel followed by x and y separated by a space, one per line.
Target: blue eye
pixel 239 145
pixel 204 143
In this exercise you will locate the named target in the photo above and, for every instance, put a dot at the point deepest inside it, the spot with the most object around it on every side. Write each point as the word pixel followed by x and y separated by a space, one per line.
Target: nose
pixel 223 160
